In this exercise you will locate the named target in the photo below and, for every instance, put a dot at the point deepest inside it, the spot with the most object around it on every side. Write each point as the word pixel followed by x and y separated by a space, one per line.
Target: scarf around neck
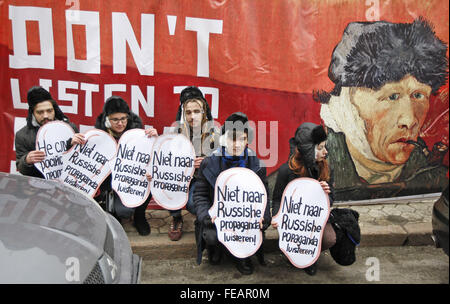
pixel 231 161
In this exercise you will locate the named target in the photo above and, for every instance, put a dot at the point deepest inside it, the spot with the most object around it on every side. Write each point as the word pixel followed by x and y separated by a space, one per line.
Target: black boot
pixel 140 222
pixel 260 257
pixel 214 255
pixel 245 266
pixel 311 270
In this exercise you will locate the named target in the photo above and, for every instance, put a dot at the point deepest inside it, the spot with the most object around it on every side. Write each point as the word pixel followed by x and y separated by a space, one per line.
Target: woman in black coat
pixel 116 119
pixel 307 159
pixel 233 153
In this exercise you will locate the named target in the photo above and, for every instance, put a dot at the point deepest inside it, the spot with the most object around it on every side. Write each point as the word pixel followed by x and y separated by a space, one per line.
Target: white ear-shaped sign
pixel 52 139
pixel 303 213
pixel 87 166
pixel 240 199
pixel 172 169
pixel 129 167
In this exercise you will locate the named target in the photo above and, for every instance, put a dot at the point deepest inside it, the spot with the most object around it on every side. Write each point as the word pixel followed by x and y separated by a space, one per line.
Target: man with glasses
pixel 116 119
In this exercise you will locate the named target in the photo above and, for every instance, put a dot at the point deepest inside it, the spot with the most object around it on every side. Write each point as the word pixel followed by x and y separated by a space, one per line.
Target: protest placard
pixel 129 167
pixel 172 169
pixel 86 166
pixel 303 213
pixel 240 199
pixel 52 138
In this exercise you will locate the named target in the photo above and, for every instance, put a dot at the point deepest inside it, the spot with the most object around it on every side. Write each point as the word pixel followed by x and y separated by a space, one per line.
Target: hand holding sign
pixel 301 219
pixel 172 170
pixel 130 167
pixel 87 165
pixel 35 156
pixel 240 199
pixel 52 139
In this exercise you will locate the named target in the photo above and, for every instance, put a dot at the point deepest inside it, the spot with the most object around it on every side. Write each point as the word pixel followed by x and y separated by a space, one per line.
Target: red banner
pixel 263 58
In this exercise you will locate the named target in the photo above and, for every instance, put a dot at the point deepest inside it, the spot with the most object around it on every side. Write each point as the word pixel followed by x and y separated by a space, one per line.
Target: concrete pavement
pixel 373 265
pixel 384 222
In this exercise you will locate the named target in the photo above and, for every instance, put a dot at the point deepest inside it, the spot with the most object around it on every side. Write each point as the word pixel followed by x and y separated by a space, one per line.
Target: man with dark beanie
pixel 236 135
pixel 116 119
pixel 42 109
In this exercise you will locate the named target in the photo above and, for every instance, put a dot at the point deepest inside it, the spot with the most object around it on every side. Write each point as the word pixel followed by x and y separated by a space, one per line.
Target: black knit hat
pixel 238 121
pixel 192 92
pixel 36 95
pixel 372 54
pixel 115 104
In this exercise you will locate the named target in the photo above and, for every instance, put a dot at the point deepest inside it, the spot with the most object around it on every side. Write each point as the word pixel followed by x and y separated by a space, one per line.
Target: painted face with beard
pixel 393 115
pixel 44 112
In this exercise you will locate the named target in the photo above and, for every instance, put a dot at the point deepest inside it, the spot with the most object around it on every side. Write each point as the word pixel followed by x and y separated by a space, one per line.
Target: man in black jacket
pixel 42 109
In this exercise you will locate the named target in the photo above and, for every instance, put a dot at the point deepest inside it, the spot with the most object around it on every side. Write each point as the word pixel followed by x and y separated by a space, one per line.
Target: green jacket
pixel 418 176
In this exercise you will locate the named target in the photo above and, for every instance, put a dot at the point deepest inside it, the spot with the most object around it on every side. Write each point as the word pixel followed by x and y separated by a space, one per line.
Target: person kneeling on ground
pixel 116 119
pixel 236 134
pixel 307 159
pixel 194 120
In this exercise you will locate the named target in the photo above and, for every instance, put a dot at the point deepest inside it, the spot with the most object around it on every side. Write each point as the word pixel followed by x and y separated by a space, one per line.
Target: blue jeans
pixel 190 203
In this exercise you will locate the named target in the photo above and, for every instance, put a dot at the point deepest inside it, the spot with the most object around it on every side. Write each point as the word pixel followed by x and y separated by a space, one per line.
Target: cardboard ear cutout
pixel 107 123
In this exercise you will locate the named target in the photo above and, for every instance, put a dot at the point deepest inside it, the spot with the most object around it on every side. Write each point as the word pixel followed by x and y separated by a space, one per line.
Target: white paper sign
pixel 303 213
pixel 172 169
pixel 87 166
pixel 52 139
pixel 240 199
pixel 129 167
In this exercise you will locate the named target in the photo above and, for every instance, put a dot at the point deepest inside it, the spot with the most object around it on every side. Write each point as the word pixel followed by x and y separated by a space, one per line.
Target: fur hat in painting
pixel 372 54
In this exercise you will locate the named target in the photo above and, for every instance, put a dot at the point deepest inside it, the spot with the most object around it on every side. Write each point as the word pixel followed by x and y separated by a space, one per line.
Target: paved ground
pixel 396 265
pixel 390 222
pixel 396 236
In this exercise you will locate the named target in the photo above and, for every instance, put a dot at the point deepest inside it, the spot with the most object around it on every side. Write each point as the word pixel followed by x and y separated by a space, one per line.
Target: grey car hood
pixel 47 226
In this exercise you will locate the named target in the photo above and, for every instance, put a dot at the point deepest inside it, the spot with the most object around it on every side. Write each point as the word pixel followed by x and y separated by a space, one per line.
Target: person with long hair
pixel 307 159
pixel 194 120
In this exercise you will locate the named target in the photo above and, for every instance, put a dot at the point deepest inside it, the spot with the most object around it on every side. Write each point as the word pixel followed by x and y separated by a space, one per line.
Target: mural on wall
pixel 384 75
pixel 379 69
